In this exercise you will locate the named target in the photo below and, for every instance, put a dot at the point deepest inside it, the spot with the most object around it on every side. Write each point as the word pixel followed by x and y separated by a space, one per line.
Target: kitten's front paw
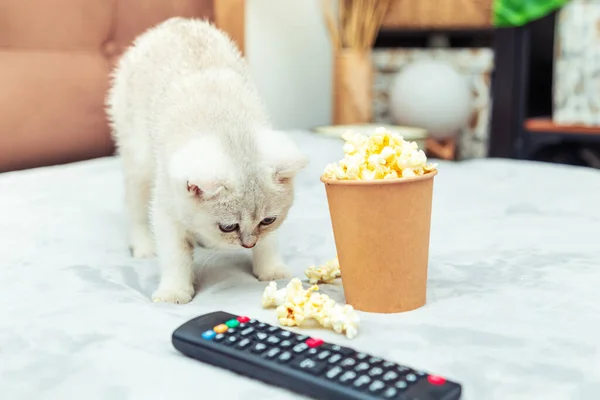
pixel 272 272
pixel 174 294
pixel 142 246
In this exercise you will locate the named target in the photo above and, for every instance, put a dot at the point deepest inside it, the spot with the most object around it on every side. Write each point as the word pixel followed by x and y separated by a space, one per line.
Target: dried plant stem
pixel 353 28
pixel 357 23
pixel 330 23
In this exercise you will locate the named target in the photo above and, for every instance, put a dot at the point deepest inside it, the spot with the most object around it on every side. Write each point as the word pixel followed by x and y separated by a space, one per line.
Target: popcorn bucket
pixel 381 231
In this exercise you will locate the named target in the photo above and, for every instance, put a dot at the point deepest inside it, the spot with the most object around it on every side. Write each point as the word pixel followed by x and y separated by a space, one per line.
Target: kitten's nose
pixel 248 245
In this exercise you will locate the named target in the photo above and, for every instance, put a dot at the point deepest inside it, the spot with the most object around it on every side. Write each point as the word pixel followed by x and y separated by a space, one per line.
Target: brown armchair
pixel 55 60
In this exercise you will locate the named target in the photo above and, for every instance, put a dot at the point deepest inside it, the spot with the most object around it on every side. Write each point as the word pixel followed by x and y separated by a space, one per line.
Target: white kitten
pixel 202 164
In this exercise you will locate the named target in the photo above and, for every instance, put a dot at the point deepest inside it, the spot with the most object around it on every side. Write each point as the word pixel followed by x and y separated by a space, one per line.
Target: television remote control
pixel 303 364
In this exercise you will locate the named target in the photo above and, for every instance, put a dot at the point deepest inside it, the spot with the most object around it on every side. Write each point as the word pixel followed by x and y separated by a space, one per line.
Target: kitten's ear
pixel 205 190
pixel 202 169
pixel 281 155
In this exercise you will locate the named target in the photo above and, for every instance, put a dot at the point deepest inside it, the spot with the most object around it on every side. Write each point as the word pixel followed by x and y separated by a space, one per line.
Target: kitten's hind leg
pixel 267 264
pixel 138 187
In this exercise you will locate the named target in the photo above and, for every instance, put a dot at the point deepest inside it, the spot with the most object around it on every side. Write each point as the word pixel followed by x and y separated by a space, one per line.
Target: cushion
pixel 55 60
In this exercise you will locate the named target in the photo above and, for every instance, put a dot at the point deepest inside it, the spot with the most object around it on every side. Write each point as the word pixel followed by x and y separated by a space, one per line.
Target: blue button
pixel 208 335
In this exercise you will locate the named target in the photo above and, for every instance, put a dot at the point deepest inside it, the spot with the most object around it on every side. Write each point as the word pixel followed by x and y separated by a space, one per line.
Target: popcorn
pixel 273 297
pixel 326 273
pixel 290 314
pixel 345 319
pixel 383 155
pixel 295 305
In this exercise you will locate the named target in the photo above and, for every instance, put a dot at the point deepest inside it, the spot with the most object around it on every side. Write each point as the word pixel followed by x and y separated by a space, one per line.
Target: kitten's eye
pixel 228 228
pixel 268 221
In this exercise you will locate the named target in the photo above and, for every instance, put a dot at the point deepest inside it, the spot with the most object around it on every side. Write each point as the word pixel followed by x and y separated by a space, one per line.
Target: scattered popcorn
pixel 290 314
pixel 319 306
pixel 326 273
pixel 383 155
pixel 273 297
pixel 295 305
pixel 345 320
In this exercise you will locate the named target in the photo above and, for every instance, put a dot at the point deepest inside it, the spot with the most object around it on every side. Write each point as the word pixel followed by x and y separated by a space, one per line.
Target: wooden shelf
pixel 545 125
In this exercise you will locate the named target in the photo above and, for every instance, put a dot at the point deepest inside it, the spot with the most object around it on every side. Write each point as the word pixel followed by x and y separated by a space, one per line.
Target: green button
pixel 232 323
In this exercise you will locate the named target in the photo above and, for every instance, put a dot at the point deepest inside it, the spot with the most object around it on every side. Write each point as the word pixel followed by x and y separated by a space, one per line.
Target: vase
pixel 352 87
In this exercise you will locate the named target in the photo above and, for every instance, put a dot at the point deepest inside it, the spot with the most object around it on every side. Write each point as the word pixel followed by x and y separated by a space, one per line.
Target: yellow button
pixel 221 328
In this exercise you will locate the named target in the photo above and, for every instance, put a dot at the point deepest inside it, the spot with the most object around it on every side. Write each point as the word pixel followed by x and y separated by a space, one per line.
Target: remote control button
pixel 390 376
pixel 333 372
pixel 222 328
pixel 273 329
pixel 243 320
pixel 219 337
pixel 259 348
pixel 312 352
pixel 285 344
pixel 252 321
pixel 411 378
pixel 301 338
pixel 272 353
pixel 261 326
pixel 361 356
pixel 232 323
pixel 299 348
pixel 363 366
pixel 261 336
pixel 242 344
pixel 334 358
pixel 436 380
pixel 401 385
pixel 389 393
pixel 375 371
pixel 309 365
pixel 347 377
pixel 231 331
pixel 348 362
pixel 231 340
pixel 314 342
pixel 402 370
pixel 375 360
pixel 285 334
pixel 388 364
pixel 345 351
pixel 247 331
pixel 376 386
pixel 209 335
pixel 285 356
pixel 323 355
pixel 273 340
pixel 420 374
pixel 361 381
pixel 241 326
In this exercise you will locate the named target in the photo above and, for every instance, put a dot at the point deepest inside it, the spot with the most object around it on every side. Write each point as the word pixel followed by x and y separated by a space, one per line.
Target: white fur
pixel 198 150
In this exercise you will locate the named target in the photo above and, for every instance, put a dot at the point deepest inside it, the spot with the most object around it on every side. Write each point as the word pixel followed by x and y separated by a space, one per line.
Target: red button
pixel 314 342
pixel 436 380
pixel 243 320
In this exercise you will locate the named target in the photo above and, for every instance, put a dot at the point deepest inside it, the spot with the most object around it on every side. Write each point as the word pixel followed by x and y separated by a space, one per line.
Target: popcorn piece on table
pixel 290 314
pixel 273 296
pixel 344 319
pixel 294 305
pixel 383 155
pixel 341 318
pixel 326 273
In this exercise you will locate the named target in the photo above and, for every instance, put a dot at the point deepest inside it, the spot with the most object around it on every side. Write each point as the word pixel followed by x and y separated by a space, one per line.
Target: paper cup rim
pixel 356 182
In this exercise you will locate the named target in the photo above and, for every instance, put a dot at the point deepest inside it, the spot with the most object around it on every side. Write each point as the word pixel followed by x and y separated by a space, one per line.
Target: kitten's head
pixel 228 203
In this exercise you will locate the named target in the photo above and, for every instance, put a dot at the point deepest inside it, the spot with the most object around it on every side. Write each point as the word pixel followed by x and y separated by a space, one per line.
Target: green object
pixel 510 13
pixel 232 323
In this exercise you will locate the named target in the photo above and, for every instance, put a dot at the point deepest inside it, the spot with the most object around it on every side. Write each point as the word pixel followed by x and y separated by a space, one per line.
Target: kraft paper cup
pixel 381 230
